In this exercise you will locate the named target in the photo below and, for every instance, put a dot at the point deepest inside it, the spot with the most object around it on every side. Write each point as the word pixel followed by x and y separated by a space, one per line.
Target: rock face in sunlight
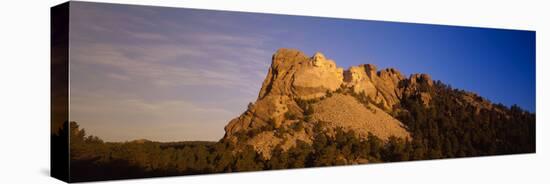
pixel 345 111
pixel 380 86
pixel 311 91
pixel 311 113
pixel 292 75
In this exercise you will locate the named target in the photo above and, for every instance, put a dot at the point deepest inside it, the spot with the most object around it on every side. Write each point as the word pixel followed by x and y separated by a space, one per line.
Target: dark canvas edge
pixel 59 88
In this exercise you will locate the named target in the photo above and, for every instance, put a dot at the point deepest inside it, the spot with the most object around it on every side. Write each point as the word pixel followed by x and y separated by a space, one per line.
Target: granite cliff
pixel 301 94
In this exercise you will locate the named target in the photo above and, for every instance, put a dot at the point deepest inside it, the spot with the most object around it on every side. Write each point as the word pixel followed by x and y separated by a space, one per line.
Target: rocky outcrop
pixel 317 76
pixel 293 76
pixel 380 86
pixel 478 102
pixel 416 86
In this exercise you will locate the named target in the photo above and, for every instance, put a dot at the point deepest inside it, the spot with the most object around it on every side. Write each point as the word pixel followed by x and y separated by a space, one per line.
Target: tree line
pixel 443 129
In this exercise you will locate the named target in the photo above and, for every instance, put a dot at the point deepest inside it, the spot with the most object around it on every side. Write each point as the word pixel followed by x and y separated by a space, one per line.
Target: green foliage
pixel 290 116
pixel 362 98
pixel 298 126
pixel 447 128
pixel 328 94
pixel 450 127
pixel 248 160
pixel 307 108
pixel 271 122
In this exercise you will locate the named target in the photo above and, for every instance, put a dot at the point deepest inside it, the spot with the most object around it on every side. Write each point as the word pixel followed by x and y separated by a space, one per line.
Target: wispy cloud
pixel 173 64
pixel 141 71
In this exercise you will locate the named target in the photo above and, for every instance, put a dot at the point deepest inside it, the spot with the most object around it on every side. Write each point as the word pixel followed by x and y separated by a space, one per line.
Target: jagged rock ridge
pixel 294 78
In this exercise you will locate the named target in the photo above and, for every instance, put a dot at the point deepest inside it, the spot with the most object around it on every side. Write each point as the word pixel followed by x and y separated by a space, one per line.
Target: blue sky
pixel 171 74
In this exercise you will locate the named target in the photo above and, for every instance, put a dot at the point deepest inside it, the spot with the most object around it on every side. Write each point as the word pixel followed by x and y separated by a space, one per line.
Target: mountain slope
pixel 311 113
pixel 345 111
pixel 296 84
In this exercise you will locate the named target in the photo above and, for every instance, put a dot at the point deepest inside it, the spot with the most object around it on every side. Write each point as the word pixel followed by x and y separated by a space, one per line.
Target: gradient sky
pixel 171 74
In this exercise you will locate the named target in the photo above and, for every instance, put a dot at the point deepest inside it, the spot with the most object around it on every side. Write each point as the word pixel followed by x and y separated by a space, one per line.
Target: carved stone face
pixel 318 59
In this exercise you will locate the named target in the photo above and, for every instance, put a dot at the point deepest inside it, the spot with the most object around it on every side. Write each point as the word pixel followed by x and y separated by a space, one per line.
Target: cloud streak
pixel 136 74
